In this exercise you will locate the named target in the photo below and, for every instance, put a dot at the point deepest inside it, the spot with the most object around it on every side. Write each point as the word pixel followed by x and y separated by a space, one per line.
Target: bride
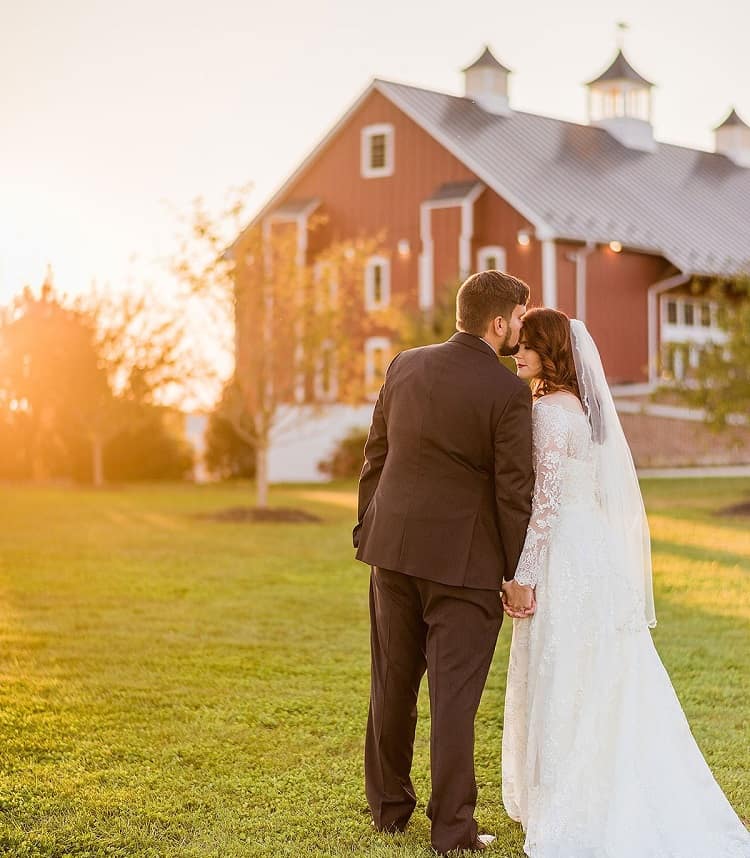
pixel 598 759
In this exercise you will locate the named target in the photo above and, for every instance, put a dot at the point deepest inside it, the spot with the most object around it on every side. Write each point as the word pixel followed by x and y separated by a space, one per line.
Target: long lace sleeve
pixel 550 444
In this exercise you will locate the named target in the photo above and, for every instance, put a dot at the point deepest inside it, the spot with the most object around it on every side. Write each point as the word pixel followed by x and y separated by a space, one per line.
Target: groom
pixel 444 502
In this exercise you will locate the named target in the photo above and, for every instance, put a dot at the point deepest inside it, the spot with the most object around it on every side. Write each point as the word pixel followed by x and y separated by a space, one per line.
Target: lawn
pixel 173 686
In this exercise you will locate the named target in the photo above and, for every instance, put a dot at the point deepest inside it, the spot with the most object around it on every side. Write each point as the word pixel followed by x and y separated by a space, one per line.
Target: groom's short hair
pixel 486 295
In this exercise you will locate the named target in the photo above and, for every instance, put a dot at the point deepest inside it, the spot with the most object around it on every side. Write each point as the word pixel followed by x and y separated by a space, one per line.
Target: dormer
pixel 486 83
pixel 732 138
pixel 619 100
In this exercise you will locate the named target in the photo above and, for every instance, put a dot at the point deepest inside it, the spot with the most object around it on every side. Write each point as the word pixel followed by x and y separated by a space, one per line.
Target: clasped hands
pixel 519 601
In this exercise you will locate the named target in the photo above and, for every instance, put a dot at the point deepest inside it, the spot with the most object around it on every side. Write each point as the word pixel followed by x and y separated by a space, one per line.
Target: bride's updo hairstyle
pixel 547 332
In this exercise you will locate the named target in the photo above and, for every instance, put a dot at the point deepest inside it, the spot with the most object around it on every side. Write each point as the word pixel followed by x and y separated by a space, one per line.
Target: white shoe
pixel 487 839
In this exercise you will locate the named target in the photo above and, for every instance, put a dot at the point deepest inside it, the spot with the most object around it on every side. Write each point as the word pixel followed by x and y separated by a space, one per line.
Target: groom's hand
pixel 519 601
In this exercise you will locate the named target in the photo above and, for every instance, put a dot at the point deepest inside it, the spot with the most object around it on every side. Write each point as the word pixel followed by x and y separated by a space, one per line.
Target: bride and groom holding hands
pixel 485 493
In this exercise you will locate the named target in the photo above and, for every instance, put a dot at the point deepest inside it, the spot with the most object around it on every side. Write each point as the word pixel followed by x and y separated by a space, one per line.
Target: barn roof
pixel 620 69
pixel 487 60
pixel 732 120
pixel 578 182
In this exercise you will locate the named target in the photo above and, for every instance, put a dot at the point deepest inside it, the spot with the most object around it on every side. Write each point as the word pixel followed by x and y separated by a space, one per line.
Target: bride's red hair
pixel 547 332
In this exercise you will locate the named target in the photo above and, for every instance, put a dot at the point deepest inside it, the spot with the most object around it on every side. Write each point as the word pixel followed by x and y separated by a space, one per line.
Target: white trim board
pixel 466 235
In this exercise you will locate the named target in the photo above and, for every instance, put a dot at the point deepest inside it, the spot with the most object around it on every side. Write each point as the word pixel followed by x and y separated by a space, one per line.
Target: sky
pixel 115 115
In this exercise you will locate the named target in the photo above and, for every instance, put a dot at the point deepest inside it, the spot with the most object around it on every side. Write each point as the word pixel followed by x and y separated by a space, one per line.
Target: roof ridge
pixel 542 116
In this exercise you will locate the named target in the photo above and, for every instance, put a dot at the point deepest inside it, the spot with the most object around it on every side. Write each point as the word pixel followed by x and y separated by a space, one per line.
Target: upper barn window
pixel 377 151
pixel 491 258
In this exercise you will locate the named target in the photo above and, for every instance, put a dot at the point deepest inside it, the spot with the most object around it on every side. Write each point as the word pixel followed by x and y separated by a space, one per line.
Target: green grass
pixel 177 687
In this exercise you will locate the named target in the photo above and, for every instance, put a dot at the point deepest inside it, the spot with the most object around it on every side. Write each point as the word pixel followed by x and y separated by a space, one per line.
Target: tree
pixel 720 383
pixel 345 460
pixel 438 324
pixel 229 455
pixel 86 369
pixel 142 355
pixel 152 447
pixel 47 361
pixel 298 324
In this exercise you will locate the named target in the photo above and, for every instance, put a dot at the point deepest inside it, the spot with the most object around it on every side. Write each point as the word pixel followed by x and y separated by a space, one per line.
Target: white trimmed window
pixel 326 373
pixel 377 158
pixel 326 286
pixel 491 257
pixel 377 358
pixel 688 325
pixel 377 283
pixel 686 319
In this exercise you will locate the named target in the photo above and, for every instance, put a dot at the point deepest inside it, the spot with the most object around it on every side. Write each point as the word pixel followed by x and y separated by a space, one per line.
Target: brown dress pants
pixel 450 632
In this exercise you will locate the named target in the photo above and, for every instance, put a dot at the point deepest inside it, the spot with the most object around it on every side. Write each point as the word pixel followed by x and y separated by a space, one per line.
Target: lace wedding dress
pixel 598 759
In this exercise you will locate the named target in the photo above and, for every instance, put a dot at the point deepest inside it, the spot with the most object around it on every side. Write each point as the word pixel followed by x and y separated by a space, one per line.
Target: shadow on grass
pixel 699 554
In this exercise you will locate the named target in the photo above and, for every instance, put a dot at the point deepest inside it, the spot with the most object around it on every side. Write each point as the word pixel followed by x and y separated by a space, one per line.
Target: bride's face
pixel 528 362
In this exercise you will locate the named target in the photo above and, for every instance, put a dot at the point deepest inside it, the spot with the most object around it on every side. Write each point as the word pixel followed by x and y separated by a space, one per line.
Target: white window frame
pixel 321 271
pixel 385 284
pixel 492 250
pixel 368 132
pixel 697 333
pixel 373 344
pixel 330 395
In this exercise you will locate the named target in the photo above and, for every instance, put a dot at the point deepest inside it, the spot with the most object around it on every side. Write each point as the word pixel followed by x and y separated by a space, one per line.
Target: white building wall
pixel 303 437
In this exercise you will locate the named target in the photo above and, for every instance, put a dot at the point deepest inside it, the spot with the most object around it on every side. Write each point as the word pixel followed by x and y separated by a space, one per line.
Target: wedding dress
pixel 598 759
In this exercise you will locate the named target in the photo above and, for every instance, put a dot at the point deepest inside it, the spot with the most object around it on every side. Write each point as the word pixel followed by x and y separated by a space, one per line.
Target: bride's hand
pixel 519 601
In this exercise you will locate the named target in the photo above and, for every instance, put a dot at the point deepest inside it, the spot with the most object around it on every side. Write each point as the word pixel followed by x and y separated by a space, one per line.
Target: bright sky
pixel 111 110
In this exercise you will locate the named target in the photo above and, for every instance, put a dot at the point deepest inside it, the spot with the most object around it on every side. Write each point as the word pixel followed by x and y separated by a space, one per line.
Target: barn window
pixel 326 376
pixel 377 283
pixel 377 152
pixel 491 258
pixel 377 357
pixel 377 155
pixel 325 284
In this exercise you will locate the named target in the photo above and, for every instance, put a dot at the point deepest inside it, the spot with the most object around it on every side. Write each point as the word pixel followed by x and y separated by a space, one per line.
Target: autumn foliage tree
pixel 141 353
pixel 80 371
pixel 297 317
pixel 720 383
pixel 48 361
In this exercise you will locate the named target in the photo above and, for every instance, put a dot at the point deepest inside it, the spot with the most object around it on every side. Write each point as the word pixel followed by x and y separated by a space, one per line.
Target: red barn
pixel 602 220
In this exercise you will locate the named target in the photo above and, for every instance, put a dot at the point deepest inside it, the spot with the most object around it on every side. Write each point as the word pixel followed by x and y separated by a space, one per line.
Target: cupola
pixel 619 100
pixel 486 83
pixel 732 138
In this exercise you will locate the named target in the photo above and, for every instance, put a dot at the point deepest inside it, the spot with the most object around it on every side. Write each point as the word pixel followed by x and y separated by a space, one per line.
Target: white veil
pixel 617 481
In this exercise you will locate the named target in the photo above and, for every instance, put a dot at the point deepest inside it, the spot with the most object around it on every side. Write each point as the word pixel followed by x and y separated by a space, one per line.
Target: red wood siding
pixel 446 229
pixel 356 206
pixel 497 223
pixel 617 310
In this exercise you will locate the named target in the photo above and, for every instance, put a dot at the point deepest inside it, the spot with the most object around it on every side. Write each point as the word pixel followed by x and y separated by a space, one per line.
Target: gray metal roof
pixel 620 69
pixel 578 182
pixel 453 191
pixel 295 207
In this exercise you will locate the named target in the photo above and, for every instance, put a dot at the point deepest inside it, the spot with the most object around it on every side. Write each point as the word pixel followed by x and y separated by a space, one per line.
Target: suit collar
pixel 473 342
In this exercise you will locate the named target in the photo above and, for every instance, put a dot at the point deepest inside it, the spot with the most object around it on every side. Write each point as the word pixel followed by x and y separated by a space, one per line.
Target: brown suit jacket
pixel 445 491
